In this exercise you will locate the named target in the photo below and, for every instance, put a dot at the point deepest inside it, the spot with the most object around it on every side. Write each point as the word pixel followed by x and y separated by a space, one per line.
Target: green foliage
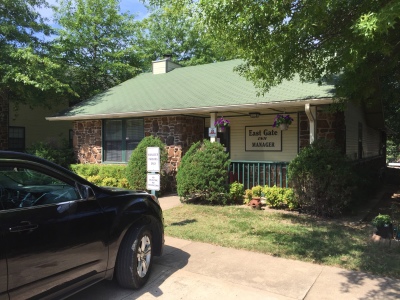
pixel 322 179
pixel 289 199
pixel 28 74
pixel 103 175
pixel 59 153
pixel 274 196
pixel 176 30
pixel 87 170
pixel 381 220
pixel 95 45
pixel 96 179
pixel 109 181
pixel 202 173
pixel 236 191
pixel 248 195
pixel 313 41
pixel 393 152
pixel 136 171
pixel 257 190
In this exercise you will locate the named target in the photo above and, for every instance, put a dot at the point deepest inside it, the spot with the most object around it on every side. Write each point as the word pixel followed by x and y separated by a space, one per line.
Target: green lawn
pixel 289 235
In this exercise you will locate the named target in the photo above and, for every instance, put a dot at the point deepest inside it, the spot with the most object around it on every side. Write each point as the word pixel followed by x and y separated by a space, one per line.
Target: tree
pixel 177 31
pixel 27 74
pixel 97 45
pixel 317 40
pixel 313 38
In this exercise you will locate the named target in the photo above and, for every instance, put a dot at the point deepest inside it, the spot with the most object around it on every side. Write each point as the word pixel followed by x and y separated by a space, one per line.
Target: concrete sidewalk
pixel 193 270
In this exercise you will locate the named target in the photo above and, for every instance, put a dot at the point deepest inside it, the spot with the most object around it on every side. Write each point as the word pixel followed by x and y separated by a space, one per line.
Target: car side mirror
pixel 86 192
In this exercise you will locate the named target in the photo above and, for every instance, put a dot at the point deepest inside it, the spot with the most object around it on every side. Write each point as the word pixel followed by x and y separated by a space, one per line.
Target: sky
pixel 133 6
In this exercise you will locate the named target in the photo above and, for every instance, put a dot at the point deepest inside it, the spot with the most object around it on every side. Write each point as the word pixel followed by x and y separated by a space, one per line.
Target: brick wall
pixel 177 132
pixel 87 141
pixel 4 113
pixel 330 126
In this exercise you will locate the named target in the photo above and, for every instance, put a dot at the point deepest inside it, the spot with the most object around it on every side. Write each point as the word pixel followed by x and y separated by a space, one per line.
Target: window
pixel 16 138
pixel 23 187
pixel 120 138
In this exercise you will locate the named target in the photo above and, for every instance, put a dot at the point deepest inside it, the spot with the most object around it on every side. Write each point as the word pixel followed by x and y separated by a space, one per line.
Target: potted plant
pixel 282 121
pixel 384 226
pixel 221 124
pixel 255 201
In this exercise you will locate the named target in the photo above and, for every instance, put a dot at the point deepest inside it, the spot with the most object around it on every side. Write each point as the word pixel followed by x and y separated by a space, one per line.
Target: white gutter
pixel 311 112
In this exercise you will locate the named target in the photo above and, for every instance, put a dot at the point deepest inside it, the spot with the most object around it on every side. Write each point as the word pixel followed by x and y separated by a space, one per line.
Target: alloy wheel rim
pixel 143 256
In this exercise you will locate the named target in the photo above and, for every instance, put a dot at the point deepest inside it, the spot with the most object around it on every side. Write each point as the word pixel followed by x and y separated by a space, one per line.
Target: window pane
pixel 20 187
pixel 16 138
pixel 121 136
pixel 134 134
pixel 113 140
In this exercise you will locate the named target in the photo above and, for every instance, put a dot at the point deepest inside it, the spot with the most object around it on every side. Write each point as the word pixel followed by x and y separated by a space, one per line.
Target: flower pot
pixel 284 126
pixel 255 203
pixel 221 129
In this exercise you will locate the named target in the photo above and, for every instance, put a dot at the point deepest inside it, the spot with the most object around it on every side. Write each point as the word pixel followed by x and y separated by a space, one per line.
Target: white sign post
pixel 153 167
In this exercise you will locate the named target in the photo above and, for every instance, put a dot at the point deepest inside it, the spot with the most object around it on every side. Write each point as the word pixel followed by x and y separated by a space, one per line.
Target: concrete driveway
pixel 193 270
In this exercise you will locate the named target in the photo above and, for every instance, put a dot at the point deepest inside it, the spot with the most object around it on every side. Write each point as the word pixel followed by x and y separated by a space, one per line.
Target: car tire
pixel 134 259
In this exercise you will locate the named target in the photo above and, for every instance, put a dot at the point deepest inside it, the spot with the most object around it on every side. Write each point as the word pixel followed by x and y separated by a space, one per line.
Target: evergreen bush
pixel 322 178
pixel 136 171
pixel 203 173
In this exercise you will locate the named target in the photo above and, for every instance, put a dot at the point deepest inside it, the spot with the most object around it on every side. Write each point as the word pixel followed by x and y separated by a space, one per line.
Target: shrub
pixel 96 179
pixel 248 195
pixel 257 190
pixel 203 173
pixel 109 181
pixel 289 199
pixel 86 170
pixel 136 171
pixel 236 191
pixel 322 179
pixel 103 175
pixel 274 196
pixel 381 220
pixel 57 152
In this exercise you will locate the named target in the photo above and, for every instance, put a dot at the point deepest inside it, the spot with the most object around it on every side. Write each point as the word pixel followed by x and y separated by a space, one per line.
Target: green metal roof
pixel 188 88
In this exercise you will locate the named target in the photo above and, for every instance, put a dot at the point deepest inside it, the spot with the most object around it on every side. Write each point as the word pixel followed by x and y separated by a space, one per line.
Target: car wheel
pixel 134 258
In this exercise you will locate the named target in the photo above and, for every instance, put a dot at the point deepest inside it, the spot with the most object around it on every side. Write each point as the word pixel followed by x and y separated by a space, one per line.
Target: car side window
pixel 24 187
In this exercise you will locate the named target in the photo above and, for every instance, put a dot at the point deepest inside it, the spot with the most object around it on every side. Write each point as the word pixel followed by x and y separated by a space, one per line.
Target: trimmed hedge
pixel 103 175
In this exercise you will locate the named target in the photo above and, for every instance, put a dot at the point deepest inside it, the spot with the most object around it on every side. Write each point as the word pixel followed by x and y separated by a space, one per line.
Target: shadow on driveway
pixel 163 267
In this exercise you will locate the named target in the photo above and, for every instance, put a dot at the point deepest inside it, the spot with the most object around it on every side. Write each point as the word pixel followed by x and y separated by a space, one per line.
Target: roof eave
pixel 191 110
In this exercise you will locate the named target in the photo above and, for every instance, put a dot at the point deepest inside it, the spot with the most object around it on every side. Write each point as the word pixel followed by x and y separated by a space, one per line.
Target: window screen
pixel 16 138
pixel 121 137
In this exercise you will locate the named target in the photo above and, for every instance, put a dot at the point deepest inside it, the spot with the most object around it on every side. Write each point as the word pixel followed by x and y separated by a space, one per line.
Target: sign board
pixel 263 138
pixel 153 159
pixel 153 182
pixel 212 132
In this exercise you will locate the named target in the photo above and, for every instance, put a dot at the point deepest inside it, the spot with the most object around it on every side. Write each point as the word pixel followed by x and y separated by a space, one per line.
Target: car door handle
pixel 25 226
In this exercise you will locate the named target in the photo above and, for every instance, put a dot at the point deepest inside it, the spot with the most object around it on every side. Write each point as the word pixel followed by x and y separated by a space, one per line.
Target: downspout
pixel 212 121
pixel 311 112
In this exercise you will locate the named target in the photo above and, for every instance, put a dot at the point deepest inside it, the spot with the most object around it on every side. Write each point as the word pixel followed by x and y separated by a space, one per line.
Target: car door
pixel 3 271
pixel 40 241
